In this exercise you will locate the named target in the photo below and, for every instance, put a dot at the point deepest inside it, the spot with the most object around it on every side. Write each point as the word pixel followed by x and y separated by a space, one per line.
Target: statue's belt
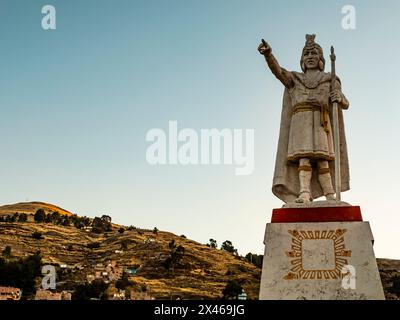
pixel 301 107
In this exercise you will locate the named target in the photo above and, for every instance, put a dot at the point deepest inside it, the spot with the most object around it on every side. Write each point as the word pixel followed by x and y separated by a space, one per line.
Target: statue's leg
pixel 305 172
pixel 324 177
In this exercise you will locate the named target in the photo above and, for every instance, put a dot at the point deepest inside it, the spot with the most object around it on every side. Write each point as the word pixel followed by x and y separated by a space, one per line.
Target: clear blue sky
pixel 76 104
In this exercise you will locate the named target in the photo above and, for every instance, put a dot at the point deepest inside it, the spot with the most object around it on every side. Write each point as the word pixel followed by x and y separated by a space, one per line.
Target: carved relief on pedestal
pixel 317 254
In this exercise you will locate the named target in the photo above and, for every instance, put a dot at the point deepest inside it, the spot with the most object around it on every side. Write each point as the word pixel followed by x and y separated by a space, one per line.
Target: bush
pixel 228 246
pixel 212 243
pixel 123 282
pixel 37 235
pixel 183 236
pixel 96 290
pixel 65 221
pixel 395 285
pixel 22 273
pixel 40 215
pixel 175 255
pixel 100 225
pixel 121 230
pixel 155 230
pixel 11 218
pixel 23 217
pixel 124 244
pixel 6 252
pixel 55 217
pixel 93 245
pixel 232 290
pixel 255 259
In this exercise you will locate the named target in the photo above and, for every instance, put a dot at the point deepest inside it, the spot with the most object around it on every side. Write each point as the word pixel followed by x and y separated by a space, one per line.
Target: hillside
pixel 202 273
pixel 31 208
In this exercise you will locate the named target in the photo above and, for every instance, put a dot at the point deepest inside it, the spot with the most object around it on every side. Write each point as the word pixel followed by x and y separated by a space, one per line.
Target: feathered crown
pixel 311 44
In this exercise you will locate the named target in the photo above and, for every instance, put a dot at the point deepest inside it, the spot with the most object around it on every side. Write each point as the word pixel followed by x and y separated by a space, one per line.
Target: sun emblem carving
pixel 317 254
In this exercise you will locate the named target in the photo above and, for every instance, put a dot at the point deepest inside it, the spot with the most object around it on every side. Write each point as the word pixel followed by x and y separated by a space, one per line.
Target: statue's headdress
pixel 311 44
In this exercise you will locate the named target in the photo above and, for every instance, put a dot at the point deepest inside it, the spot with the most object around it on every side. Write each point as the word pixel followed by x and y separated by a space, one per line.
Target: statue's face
pixel 311 58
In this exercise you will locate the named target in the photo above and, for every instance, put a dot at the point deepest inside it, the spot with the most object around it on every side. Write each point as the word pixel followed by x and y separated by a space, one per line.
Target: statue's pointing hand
pixel 264 48
pixel 336 96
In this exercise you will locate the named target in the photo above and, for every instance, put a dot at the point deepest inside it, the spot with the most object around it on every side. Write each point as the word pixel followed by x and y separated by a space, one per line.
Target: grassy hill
pixel 202 272
pixel 31 208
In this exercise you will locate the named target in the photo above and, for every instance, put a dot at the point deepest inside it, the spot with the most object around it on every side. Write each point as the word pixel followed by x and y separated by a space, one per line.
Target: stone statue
pixel 304 167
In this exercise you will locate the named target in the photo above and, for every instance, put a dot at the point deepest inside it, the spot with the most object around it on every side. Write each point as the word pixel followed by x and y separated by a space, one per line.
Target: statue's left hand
pixel 336 96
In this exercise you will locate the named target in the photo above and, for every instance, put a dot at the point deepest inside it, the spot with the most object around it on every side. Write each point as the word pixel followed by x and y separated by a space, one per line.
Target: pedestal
pixel 319 253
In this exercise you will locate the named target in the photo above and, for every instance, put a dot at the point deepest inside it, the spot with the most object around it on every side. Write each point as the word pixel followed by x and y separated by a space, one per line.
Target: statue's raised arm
pixel 281 73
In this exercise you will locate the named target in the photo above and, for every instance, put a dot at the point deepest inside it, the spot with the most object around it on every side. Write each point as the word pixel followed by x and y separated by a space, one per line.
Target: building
pixel 10 293
pixel 131 270
pixel 90 278
pixel 48 295
pixel 140 295
pixel 119 295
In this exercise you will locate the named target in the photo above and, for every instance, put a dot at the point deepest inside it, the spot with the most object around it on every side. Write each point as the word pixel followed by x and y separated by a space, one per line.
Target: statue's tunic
pixel 310 134
pixel 304 132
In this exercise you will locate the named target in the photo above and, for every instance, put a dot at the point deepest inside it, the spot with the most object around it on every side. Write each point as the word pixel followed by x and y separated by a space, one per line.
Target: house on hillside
pixel 109 272
pixel 120 295
pixel 132 270
pixel 10 293
pixel 141 295
pixel 48 295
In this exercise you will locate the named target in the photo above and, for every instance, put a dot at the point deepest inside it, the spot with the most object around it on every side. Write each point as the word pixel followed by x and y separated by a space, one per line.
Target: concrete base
pixel 320 260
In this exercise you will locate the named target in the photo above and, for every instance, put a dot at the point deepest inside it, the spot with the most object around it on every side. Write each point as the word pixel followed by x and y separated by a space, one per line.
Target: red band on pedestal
pixel 321 214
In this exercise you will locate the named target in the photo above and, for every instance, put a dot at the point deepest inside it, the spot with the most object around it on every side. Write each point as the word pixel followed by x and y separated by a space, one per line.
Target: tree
pixel 232 290
pixel 65 221
pixel 47 218
pixel 78 224
pixel 93 245
pixel 100 225
pixel 96 290
pixel 395 288
pixel 11 218
pixel 6 252
pixel 37 235
pixel 86 221
pixel 55 217
pixel 123 282
pixel 212 243
pixel 155 230
pixel 23 217
pixel 22 273
pixel 39 216
pixel 228 246
pixel 106 218
pixel 255 259
pixel 124 244
pixel 175 255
